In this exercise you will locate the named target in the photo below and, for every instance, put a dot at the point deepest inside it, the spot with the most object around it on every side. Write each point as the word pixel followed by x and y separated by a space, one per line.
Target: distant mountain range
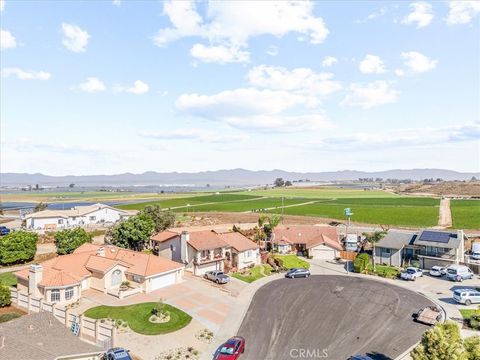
pixel 233 177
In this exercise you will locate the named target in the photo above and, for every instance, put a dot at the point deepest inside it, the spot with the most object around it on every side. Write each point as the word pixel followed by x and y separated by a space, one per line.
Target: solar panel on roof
pixel 434 236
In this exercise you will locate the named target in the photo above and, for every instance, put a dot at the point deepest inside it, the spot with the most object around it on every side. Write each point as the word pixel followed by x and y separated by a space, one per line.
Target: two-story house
pixel 206 250
pixel 428 247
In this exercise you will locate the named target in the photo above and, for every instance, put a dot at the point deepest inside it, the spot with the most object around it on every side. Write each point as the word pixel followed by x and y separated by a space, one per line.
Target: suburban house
pixel 428 247
pixel 102 268
pixel 206 250
pixel 244 252
pixel 77 216
pixel 41 336
pixel 318 242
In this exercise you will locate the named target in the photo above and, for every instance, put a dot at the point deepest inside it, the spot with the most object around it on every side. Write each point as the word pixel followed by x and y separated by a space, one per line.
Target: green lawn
pixel 254 274
pixel 465 214
pixel 466 313
pixel 9 316
pixel 386 271
pixel 137 317
pixel 8 279
pixel 293 261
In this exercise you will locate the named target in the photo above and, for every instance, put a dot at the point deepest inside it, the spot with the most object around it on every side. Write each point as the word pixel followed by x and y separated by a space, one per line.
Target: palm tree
pixel 374 238
pixel 266 225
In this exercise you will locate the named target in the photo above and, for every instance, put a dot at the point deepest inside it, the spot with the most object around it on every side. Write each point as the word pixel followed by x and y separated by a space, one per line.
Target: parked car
pixel 467 296
pixel 459 273
pixel 117 354
pixel 218 276
pixel 475 255
pixel 360 357
pixel 437 271
pixel 411 273
pixel 4 230
pixel 231 349
pixel 295 273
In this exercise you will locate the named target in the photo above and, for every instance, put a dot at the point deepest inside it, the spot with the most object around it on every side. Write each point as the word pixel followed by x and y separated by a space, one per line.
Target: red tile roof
pixel 308 235
pixel 164 236
pixel 206 240
pixel 238 241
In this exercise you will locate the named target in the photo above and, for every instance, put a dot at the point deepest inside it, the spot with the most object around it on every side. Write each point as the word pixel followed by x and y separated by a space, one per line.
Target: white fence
pixel 92 330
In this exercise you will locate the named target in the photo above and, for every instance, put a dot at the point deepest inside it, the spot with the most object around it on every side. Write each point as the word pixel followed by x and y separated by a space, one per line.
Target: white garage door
pixel 162 281
pixel 324 254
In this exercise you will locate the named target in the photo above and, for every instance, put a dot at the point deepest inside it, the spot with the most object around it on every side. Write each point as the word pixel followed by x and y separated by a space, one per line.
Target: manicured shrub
pixel 5 299
pixel 69 239
pixel 361 262
pixel 474 321
pixel 18 247
pixel 9 316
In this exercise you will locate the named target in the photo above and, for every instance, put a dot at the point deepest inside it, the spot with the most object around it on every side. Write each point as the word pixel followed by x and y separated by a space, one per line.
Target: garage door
pixel 162 281
pixel 324 254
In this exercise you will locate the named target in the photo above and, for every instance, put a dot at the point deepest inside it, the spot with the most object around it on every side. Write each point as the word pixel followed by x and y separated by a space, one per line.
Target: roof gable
pixel 238 241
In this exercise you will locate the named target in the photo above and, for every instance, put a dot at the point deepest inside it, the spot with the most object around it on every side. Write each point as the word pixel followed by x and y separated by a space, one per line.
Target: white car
pixel 411 273
pixel 467 296
pixel 475 255
pixel 437 271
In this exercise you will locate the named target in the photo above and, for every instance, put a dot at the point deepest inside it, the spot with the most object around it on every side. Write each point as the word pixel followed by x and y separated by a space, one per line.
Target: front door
pixel 116 278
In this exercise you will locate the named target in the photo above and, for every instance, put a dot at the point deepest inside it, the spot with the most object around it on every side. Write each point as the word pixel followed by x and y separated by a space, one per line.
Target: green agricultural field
pixel 326 192
pixel 465 214
pixel 372 212
pixel 254 205
pixel 192 200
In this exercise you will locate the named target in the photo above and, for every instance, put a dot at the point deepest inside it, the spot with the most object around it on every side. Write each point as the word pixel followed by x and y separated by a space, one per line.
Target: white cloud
pixel 279 123
pixel 370 95
pixel 422 14
pixel 138 88
pixel 417 62
pixel 195 134
pixel 117 2
pixel 404 137
pixel 272 50
pixel 7 40
pixel 232 23
pixel 75 39
pixel 300 80
pixel 238 102
pixel 462 12
pixel 376 14
pixel 92 85
pixel 2 5
pixel 25 75
pixel 372 64
pixel 329 61
pixel 219 54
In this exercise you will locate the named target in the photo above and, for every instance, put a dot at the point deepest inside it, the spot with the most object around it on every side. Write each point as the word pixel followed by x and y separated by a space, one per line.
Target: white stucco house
pixel 207 250
pixel 77 216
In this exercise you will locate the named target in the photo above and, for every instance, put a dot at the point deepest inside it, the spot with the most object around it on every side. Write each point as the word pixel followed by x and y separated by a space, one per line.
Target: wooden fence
pixel 348 255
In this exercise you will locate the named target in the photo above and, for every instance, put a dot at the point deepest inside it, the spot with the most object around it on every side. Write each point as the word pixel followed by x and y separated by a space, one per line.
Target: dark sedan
pixel 297 273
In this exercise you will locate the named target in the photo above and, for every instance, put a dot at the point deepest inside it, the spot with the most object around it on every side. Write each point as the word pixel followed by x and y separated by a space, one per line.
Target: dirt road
pixel 445 215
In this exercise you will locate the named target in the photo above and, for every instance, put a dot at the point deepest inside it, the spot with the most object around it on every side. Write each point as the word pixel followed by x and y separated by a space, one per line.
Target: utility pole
pixel 348 213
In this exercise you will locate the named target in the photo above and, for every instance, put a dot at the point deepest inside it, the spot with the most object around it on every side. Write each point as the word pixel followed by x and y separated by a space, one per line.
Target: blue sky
pixel 104 87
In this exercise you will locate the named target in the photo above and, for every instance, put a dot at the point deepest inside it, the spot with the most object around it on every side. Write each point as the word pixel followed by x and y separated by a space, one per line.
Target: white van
pixel 459 273
pixel 475 251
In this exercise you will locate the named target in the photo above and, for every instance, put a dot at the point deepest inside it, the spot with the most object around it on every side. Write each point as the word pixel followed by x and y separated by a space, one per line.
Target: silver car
pixel 467 296
pixel 217 276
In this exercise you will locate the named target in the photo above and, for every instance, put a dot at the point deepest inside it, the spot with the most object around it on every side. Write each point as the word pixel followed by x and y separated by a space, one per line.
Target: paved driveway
pixel 333 315
pixel 205 301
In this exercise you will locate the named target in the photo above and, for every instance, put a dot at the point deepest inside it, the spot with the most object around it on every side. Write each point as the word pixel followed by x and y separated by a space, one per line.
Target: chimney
pixel 184 239
pixel 461 249
pixel 35 275
pixel 101 251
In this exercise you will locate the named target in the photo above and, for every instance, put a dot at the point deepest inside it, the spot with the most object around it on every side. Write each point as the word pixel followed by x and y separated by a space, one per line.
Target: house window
pixel 69 293
pixel 74 218
pixel 172 247
pixel 137 278
pixel 60 221
pixel 116 278
pixel 249 253
pixel 92 218
pixel 55 295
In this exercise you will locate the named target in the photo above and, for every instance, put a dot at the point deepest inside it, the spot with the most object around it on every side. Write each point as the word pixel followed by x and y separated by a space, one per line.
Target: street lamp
pixel 348 214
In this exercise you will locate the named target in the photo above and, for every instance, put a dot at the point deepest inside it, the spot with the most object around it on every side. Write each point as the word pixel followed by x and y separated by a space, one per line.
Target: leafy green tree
pixel 472 347
pixel 162 219
pixel 374 238
pixel 132 233
pixel 69 239
pixel 361 262
pixel 5 298
pixel 18 247
pixel 40 207
pixel 442 342
pixel 279 182
pixel 266 225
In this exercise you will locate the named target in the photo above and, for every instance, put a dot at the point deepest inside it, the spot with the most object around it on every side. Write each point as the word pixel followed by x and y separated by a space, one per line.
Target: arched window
pixel 55 295
pixel 68 293
pixel 116 277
